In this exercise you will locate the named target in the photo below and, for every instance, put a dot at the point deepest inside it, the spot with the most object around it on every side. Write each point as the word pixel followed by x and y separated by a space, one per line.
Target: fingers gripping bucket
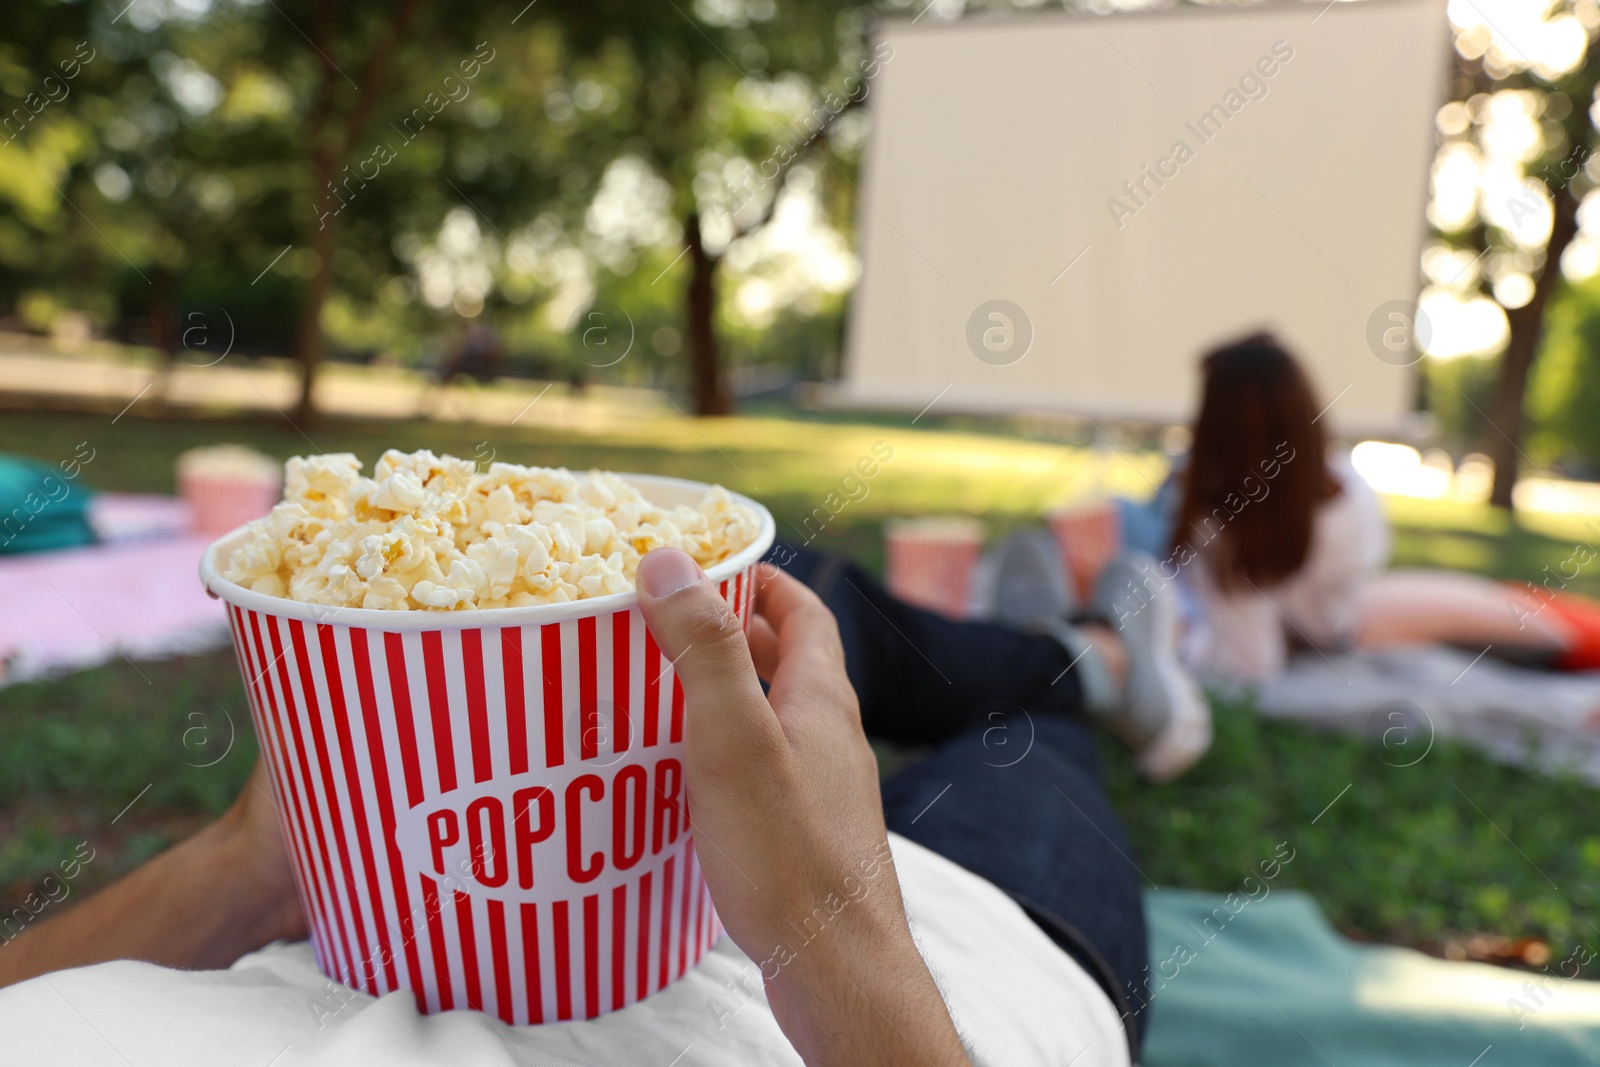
pixel 486 807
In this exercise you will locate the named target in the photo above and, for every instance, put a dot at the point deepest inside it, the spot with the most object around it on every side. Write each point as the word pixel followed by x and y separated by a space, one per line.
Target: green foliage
pixel 181 166
pixel 1458 395
pixel 1564 391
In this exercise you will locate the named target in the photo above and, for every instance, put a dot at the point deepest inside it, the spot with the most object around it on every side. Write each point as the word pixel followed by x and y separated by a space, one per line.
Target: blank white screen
pixel 997 144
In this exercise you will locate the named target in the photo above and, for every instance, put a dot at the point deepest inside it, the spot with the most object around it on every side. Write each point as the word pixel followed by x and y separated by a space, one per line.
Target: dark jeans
pixel 1012 789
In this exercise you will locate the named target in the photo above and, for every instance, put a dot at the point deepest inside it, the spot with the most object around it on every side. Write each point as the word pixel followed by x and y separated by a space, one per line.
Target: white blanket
pixel 1408 698
pixel 1017 999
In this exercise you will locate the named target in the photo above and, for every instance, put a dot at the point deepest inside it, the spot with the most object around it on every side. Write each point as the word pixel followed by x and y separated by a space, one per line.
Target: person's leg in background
pixel 922 678
pixel 1013 790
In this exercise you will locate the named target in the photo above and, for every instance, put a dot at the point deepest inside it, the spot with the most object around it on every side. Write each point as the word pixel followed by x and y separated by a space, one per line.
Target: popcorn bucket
pixel 930 561
pixel 485 806
pixel 1088 537
pixel 219 503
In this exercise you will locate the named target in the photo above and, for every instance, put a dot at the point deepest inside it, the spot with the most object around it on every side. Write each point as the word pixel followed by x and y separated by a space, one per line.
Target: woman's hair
pixel 1256 470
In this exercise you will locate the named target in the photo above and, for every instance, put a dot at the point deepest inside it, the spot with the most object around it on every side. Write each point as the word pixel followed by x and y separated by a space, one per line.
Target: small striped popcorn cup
pixel 227 485
pixel 1088 535
pixel 931 560
pixel 485 806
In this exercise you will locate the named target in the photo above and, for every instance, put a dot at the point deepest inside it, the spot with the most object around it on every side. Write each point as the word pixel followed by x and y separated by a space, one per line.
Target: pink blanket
pixel 84 606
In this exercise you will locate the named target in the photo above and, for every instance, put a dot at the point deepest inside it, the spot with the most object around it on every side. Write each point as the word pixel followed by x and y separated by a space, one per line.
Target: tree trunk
pixel 164 330
pixel 328 148
pixel 1506 418
pixel 309 343
pixel 700 328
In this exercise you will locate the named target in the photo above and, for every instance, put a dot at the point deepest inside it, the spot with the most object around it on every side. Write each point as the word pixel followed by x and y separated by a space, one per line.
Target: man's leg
pixel 1033 818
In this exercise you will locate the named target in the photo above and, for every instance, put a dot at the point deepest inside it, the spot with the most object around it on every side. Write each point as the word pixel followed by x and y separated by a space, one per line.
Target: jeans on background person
pixel 1147 524
pixel 1012 789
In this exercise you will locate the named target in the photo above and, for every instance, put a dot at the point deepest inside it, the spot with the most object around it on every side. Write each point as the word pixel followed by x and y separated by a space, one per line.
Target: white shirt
pixel 1244 634
pixel 1016 998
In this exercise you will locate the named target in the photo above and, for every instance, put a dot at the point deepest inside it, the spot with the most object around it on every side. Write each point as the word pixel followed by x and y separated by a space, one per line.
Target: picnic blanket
pixel 39 509
pixel 1408 696
pixel 1275 985
pixel 135 597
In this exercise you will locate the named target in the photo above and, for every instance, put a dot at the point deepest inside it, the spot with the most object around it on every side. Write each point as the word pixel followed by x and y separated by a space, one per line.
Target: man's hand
pixel 789 827
pixel 253 835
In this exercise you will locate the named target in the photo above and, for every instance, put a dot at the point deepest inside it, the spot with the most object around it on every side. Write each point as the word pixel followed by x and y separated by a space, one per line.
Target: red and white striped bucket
pixel 219 503
pixel 486 807
pixel 1088 536
pixel 931 560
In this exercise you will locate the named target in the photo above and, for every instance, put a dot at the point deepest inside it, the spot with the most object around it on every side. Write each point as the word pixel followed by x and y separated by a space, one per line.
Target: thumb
pixel 697 630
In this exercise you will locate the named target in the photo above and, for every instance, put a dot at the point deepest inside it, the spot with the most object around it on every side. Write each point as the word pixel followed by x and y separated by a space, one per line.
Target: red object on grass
pixel 1088 535
pixel 1582 614
pixel 931 562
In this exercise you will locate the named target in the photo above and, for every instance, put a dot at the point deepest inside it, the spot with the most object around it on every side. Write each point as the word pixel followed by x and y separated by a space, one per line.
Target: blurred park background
pixel 622 234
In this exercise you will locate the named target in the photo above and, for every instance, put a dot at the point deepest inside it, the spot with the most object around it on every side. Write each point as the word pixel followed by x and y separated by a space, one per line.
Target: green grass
pixel 80 749
pixel 1407 854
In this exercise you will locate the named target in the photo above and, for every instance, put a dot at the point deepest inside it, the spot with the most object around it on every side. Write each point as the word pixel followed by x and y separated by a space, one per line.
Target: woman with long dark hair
pixel 1281 543
pixel 1276 538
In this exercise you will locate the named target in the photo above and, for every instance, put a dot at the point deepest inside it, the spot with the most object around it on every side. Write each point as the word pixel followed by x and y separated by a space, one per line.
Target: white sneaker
pixel 1163 715
pixel 1025 583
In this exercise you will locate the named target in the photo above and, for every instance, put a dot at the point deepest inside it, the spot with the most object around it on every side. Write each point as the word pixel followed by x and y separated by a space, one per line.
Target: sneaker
pixel 1025 584
pixel 1163 716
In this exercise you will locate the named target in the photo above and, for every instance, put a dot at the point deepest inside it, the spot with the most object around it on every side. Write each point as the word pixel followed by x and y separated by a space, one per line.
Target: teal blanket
pixel 41 507
pixel 1274 984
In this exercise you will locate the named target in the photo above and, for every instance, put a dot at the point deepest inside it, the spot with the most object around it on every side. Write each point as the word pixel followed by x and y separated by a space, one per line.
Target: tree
pixel 727 156
pixel 332 131
pixel 1565 182
pixel 239 142
pixel 1491 64
pixel 1564 393
pixel 50 75
pixel 314 146
pixel 697 117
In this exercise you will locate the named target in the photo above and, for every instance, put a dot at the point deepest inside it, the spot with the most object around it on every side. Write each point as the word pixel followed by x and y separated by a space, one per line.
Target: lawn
pixel 1438 855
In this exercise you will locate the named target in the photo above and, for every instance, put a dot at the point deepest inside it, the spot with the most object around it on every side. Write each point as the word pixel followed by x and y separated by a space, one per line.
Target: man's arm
pixel 788 819
pixel 202 903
